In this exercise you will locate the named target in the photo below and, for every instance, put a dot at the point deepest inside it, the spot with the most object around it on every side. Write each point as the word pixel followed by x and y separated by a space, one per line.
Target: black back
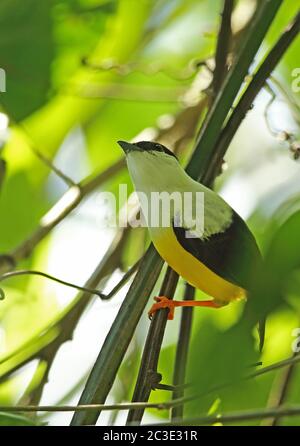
pixel 232 254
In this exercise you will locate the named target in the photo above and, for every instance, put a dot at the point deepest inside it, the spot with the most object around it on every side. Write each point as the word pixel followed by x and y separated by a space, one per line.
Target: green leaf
pixel 281 259
pixel 283 255
pixel 8 419
pixel 222 360
pixel 26 52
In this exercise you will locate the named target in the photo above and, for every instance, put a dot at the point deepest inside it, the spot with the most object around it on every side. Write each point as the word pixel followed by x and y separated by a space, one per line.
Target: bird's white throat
pixel 157 173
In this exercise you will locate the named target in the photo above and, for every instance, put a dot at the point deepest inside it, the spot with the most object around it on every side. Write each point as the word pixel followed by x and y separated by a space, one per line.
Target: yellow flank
pixel 191 269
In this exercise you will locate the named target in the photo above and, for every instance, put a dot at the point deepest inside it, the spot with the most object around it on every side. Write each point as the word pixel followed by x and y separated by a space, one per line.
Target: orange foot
pixel 164 302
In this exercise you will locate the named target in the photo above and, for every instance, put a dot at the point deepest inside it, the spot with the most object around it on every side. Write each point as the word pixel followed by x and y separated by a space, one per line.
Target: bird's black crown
pixel 150 146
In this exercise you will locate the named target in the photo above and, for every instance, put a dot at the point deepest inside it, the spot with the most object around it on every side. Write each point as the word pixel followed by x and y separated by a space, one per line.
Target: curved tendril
pixel 47 276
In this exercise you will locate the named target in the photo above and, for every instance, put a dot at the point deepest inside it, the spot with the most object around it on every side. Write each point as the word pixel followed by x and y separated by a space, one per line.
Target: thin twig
pixel 126 69
pixel 98 293
pixel 290 99
pixel 82 407
pixel 39 154
pixel 256 374
pixel 59 173
pixel 123 280
pixel 140 405
pixel 279 391
pixel 211 419
pixel 27 272
pixel 127 92
pixel 282 135
pixel 235 416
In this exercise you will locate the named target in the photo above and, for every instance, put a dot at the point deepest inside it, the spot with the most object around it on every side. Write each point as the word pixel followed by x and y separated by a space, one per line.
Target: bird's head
pixel 151 163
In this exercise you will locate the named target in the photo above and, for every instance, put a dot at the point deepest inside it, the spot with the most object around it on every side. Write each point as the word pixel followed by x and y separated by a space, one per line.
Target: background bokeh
pixel 81 74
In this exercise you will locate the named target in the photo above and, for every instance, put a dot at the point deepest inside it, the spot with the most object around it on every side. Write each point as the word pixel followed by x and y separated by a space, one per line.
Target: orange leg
pixel 164 302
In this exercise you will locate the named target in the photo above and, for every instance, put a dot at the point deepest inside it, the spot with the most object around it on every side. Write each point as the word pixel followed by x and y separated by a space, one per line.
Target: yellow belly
pixel 191 269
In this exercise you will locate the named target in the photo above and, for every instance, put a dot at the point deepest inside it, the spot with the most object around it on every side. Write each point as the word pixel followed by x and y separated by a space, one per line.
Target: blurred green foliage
pixel 15 420
pixel 73 113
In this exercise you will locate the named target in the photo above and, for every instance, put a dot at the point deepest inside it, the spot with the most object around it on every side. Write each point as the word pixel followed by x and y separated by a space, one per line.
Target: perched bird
pixel 219 257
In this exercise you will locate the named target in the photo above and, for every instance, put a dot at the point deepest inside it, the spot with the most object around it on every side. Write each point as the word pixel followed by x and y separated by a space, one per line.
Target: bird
pixel 219 256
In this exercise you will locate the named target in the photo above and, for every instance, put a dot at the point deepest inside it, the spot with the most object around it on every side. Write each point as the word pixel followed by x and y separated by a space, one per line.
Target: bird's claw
pixel 162 302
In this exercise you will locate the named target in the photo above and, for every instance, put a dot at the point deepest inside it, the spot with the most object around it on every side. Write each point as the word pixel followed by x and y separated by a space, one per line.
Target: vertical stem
pixel 182 351
pixel 262 74
pixel 220 72
pixel 148 376
pixel 223 45
pixel 213 124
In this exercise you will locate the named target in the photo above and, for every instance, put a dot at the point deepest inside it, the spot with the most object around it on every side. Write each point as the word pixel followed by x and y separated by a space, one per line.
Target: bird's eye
pixel 158 146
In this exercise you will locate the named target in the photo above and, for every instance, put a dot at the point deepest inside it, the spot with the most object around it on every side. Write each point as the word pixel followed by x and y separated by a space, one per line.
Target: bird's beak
pixel 127 146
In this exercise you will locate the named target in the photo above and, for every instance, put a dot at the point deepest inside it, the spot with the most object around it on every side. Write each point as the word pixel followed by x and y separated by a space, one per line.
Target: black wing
pixel 232 254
